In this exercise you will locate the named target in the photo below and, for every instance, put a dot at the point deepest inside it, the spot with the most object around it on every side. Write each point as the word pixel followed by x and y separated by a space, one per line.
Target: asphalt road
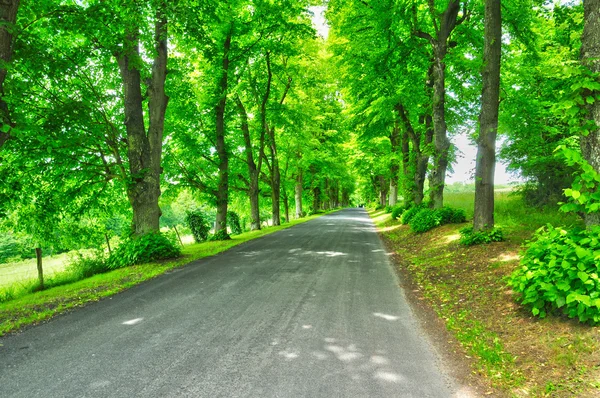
pixel 311 311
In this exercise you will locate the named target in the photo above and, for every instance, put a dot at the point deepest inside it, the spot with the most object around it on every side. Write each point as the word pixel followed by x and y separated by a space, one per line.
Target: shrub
pixel 379 207
pixel 233 220
pixel 398 210
pixel 220 235
pixel 468 237
pixel 143 249
pixel 198 224
pixel 449 215
pixel 388 209
pixel 559 271
pixel 409 213
pixel 83 267
pixel 425 220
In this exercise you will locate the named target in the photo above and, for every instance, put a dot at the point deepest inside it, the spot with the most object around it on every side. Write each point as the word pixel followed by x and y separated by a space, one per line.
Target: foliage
pixel 219 236
pixel 468 237
pixel 233 219
pixel 559 271
pixel 427 219
pixel 424 220
pixel 583 195
pixel 197 222
pixel 398 210
pixel 85 266
pixel 388 209
pixel 144 249
pixel 412 211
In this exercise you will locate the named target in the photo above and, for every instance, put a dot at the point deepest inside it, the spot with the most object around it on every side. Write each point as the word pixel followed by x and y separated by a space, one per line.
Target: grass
pixel 516 354
pixel 23 306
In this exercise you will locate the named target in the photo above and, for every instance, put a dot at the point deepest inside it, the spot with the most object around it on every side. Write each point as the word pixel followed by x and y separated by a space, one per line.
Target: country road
pixel 311 311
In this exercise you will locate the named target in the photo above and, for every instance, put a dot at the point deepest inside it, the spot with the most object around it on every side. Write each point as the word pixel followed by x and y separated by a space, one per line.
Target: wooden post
pixel 178 236
pixel 38 255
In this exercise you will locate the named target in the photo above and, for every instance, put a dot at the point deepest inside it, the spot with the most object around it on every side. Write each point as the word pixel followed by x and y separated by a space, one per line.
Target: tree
pixel 590 58
pixel 8 17
pixel 483 218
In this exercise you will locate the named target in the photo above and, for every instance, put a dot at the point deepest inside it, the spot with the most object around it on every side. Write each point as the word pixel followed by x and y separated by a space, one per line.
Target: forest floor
pixel 514 353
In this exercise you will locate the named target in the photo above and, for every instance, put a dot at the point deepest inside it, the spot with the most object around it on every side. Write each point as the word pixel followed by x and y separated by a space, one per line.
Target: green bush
pixel 398 210
pixel 388 209
pixel 468 237
pixel 198 224
pixel 143 249
pixel 559 272
pixel 220 235
pixel 409 213
pixel 449 215
pixel 84 267
pixel 233 220
pixel 425 220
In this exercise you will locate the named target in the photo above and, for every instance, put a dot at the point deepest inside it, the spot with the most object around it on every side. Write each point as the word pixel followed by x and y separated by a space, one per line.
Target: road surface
pixel 311 311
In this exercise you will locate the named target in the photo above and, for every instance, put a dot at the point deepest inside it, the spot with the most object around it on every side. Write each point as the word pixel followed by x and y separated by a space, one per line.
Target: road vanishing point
pixel 311 311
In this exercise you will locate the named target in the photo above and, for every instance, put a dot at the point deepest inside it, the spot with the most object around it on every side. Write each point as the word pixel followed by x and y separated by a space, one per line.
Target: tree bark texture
pixel 298 194
pixel 483 217
pixel 8 17
pixel 275 178
pixel 590 57
pixel 253 172
pixel 144 149
pixel 221 146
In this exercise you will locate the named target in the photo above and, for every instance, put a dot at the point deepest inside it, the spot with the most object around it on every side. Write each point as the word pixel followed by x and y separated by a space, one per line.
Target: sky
pixel 464 168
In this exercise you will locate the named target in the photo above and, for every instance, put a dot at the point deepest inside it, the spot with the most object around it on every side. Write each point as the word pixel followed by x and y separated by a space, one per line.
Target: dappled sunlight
pixel 387 317
pixel 354 363
pixel 507 257
pixel 329 253
pixel 452 238
pixel 133 321
pixel 391 228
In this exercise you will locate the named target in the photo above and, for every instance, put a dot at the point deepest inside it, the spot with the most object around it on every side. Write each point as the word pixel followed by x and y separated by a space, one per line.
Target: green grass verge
pixel 34 307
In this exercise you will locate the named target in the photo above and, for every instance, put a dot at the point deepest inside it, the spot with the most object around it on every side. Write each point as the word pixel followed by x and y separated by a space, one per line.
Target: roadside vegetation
pixel 516 352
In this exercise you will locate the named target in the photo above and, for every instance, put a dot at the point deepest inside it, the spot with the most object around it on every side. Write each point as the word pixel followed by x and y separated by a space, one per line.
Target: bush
pixel 143 249
pixel 409 213
pixel 425 220
pixel 233 220
pixel 220 235
pixel 559 272
pixel 468 237
pixel 198 224
pixel 388 209
pixel 398 210
pixel 83 267
pixel 449 215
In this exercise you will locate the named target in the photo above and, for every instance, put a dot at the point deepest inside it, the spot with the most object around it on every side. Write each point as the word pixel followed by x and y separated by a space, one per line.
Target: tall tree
pixel 483 218
pixel 442 24
pixel 144 146
pixel 590 57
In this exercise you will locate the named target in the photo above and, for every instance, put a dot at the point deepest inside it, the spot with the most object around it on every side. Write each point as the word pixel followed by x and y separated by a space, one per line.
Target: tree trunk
pixel 40 270
pixel 178 236
pixel 108 244
pixel 316 199
pixel 286 206
pixel 221 146
pixel 447 23
pixel 298 194
pixel 8 17
pixel 253 171
pixel 394 165
pixel 145 150
pixel 483 217
pixel 590 57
